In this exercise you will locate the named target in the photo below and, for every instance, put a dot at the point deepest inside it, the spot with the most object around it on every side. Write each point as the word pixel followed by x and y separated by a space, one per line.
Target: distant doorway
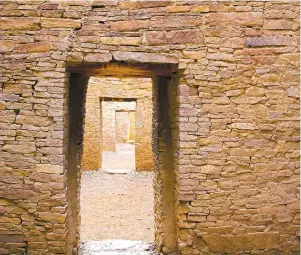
pixel 118 133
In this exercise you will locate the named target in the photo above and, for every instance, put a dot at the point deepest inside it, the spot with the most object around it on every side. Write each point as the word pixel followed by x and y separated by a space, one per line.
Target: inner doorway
pixel 118 136
pixel 118 124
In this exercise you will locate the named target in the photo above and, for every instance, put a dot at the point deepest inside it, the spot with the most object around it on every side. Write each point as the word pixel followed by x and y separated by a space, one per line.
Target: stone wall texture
pixel 105 96
pixel 225 122
pixel 123 126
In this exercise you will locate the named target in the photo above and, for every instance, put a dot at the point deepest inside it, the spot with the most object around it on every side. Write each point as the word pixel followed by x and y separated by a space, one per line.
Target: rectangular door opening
pixel 135 207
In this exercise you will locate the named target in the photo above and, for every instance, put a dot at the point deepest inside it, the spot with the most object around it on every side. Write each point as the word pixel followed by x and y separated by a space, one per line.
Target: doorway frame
pixel 164 142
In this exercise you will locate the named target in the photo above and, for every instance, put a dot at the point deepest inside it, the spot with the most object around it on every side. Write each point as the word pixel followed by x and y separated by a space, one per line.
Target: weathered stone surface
pixel 178 8
pixel 121 40
pixel 221 57
pixel 17 193
pixel 49 169
pixel 130 25
pixel 271 40
pixel 278 24
pixel 9 23
pixel 52 217
pixel 155 38
pixel 176 22
pixel 26 148
pixel 243 126
pixel 127 5
pixel 153 4
pixel 201 8
pixel 6 46
pixel 244 19
pixel 231 243
pixel 235 42
pixel 34 47
pixel 10 238
pixel 174 37
pixel 98 58
pixel 185 36
pixel 293 91
pixel 33 120
pixel 211 170
pixel 145 57
pixel 75 57
pixel 60 23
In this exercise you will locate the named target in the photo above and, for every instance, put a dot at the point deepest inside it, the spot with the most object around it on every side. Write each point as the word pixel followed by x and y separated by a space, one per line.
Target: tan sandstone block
pixel 223 243
pixel 155 37
pixel 49 169
pixel 20 23
pixel 98 58
pixel 173 37
pixel 185 36
pixel 278 24
pixel 201 8
pixel 221 56
pixel 145 57
pixel 127 5
pixel 215 230
pixel 75 57
pixel 211 170
pixel 60 23
pixel 15 148
pixel 6 46
pixel 178 8
pixel 243 19
pixel 201 54
pixel 33 120
pixel 52 217
pixel 129 25
pixel 34 47
pixel 153 4
pixel 121 40
pixel 176 22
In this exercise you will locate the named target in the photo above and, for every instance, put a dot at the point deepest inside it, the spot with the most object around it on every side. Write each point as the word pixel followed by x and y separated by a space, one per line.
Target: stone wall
pixel 235 138
pixel 123 126
pixel 105 96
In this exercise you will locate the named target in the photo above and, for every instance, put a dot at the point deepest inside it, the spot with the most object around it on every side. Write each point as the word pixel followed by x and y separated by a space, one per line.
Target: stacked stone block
pixel 123 126
pixel 235 139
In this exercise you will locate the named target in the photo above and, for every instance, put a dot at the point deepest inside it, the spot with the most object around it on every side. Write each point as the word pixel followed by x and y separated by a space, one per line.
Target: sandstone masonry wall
pixel 122 126
pixel 235 136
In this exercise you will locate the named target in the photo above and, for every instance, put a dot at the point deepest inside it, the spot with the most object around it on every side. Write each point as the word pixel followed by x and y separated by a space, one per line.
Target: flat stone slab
pixel 116 247
pixel 118 171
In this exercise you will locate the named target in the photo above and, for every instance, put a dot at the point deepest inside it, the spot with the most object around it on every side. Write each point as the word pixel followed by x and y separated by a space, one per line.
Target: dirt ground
pixel 123 158
pixel 117 206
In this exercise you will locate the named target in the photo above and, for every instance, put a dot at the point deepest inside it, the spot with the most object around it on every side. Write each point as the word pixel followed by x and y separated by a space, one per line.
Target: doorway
pixel 164 141
pixel 117 202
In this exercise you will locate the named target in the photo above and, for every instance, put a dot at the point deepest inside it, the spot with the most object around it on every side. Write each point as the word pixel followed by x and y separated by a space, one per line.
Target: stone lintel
pixel 139 57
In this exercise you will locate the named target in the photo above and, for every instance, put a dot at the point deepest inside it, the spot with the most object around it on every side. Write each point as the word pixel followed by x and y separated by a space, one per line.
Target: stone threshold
pixel 117 247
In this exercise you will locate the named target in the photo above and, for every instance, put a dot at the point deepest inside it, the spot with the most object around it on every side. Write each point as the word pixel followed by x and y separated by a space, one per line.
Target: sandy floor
pixel 123 158
pixel 117 206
